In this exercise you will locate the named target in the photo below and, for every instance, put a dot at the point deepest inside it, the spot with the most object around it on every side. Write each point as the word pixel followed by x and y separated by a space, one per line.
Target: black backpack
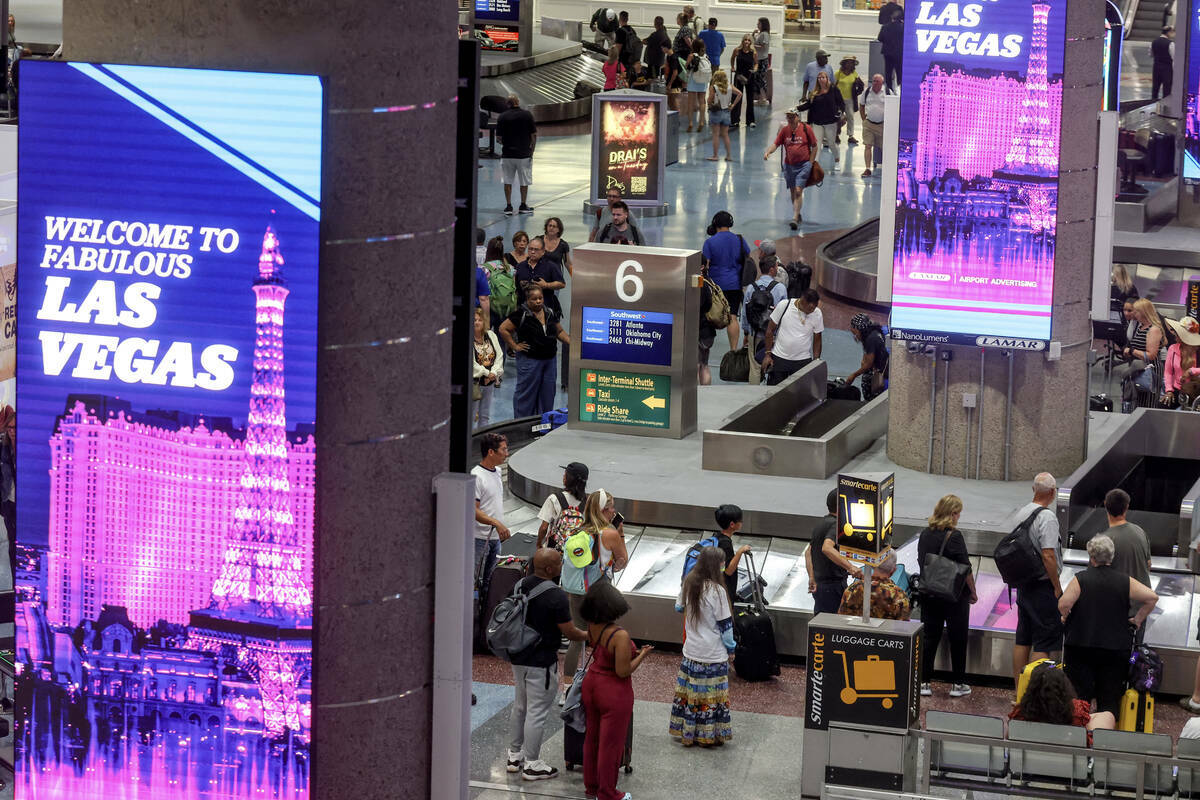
pixel 799 278
pixel 1018 558
pixel 758 307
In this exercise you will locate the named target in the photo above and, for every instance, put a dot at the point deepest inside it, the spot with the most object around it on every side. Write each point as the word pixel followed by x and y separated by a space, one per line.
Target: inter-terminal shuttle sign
pixel 977 190
pixel 166 348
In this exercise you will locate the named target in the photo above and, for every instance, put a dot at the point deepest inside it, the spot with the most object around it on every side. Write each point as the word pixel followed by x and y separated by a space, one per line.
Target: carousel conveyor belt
pixel 652 578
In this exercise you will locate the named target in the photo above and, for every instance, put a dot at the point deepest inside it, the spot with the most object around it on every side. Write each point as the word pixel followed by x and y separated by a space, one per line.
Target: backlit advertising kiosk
pixel 628 149
pixel 166 360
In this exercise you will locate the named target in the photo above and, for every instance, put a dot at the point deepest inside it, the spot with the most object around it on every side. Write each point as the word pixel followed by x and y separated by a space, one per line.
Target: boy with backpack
pixel 762 296
pixel 537 613
pixel 562 513
pixel 729 520
pixel 1029 560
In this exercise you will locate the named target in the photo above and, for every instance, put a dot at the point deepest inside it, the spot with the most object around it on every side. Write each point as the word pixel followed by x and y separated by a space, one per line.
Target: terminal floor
pixel 763 758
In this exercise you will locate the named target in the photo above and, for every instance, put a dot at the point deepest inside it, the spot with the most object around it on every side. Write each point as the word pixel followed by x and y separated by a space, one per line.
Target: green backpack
pixel 504 288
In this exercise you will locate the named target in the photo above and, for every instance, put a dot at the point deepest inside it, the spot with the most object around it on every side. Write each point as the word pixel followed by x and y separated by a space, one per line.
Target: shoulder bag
pixel 943 578
pixel 719 315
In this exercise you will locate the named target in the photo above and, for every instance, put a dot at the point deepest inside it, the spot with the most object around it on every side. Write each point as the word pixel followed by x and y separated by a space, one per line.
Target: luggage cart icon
pixel 872 678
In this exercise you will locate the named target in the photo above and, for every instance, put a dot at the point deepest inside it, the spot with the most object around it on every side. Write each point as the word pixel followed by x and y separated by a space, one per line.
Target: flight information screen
pixel 625 335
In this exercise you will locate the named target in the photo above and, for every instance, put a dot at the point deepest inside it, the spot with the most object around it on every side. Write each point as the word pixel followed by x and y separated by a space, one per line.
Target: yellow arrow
pixel 655 402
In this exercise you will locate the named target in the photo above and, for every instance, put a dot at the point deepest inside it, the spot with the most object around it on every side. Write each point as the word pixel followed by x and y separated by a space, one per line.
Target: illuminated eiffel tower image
pixel 260 614
pixel 1034 147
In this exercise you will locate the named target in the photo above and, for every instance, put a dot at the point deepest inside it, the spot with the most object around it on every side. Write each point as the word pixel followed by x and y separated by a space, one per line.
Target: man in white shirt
pixel 793 337
pixel 490 529
pixel 870 108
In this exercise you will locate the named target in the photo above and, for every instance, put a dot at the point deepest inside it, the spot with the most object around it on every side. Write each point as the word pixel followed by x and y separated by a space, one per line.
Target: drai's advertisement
pixel 628 153
pixel 977 190
pixel 166 351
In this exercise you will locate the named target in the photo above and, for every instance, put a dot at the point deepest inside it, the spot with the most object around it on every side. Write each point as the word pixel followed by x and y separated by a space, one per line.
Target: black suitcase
pixel 842 391
pixel 1099 402
pixel 1162 154
pixel 573 748
pixel 755 657
pixel 504 577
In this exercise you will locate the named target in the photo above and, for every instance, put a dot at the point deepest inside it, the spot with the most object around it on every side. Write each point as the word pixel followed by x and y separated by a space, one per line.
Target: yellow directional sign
pixel 625 398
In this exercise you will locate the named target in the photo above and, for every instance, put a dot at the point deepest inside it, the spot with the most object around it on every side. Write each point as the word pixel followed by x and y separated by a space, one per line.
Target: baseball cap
pixel 823 53
pixel 793 112
pixel 578 470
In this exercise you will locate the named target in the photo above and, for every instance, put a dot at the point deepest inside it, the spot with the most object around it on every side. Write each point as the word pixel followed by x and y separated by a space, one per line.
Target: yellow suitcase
pixel 1137 712
pixel 1025 673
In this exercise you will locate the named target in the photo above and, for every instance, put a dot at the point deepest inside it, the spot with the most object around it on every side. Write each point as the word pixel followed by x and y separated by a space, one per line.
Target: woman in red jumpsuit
pixel 607 690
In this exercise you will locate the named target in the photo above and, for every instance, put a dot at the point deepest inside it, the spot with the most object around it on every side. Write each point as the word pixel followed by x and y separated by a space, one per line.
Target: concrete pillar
pixel 378 407
pixel 1049 409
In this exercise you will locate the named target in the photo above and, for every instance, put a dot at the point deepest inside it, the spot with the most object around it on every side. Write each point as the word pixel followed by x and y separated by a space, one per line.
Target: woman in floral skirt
pixel 700 712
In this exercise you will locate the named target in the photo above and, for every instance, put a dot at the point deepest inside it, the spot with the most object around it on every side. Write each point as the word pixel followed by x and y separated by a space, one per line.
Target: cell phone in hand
pixel 617 520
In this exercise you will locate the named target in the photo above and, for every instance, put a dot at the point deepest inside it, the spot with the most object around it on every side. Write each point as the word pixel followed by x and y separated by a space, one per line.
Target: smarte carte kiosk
pixel 862 690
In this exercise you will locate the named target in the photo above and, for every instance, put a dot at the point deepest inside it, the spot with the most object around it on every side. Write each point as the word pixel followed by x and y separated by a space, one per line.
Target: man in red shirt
pixel 798 156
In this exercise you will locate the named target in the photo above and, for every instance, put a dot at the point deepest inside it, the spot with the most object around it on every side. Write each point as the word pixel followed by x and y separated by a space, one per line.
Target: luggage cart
pixel 873 678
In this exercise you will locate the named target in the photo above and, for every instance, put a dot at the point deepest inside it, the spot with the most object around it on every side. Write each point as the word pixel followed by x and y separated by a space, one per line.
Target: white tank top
pixel 606 557
pixel 723 98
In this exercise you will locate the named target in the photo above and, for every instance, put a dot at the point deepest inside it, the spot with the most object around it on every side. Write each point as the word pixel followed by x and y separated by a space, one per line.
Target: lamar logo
pixel 1013 344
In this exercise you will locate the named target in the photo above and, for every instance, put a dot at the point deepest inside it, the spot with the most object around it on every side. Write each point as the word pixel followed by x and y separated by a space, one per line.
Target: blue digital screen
pixel 625 335
pixel 498 10
pixel 168 244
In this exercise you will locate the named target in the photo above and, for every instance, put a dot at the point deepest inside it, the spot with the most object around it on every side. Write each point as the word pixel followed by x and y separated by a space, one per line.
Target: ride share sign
pixel 634 321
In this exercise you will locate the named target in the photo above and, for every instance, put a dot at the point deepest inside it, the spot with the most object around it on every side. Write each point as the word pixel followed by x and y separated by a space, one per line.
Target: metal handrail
pixel 1128 13
pixel 1139 760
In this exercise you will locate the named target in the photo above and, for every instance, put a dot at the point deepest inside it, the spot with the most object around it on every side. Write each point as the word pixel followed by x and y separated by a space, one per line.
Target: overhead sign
pixel 167 277
pixel 977 193
pixel 500 10
pixel 625 398
pixel 864 516
pixel 628 129
pixel 636 337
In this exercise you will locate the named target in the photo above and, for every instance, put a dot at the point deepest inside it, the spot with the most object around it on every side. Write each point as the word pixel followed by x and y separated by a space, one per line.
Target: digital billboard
pixel 977 181
pixel 502 30
pixel 1191 142
pixel 168 242
pixel 628 155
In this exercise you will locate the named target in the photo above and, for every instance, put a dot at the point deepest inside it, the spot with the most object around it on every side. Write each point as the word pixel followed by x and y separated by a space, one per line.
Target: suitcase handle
pixel 752 571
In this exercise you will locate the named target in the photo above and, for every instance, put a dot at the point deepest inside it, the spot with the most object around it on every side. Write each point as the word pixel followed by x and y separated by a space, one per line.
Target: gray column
pixel 1049 408
pixel 380 408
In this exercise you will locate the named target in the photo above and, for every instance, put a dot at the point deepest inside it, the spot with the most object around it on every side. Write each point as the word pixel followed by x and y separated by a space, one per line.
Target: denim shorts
pixel 796 175
pixel 719 117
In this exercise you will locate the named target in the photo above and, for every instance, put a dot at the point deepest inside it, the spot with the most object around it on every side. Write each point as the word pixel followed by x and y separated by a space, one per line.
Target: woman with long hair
pixel 488 368
pixel 825 107
pixel 700 711
pixel 743 63
pixel 1181 373
pixel 720 97
pixel 942 536
pixel 699 70
pixel 1141 371
pixel 613 69
pixel 520 241
pixel 559 253
pixel 608 556
pixel 1050 697
pixel 607 689
pixel 1122 285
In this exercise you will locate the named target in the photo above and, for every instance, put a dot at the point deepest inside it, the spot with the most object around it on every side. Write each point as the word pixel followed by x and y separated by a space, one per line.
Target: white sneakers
pixel 538 771
pixel 515 761
pixel 959 690
pixel 926 690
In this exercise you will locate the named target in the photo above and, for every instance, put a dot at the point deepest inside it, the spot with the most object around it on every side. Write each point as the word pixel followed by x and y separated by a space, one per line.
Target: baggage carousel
pixel 1125 450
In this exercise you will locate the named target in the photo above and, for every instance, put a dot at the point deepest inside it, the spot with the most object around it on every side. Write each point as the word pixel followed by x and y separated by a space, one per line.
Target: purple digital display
pixel 977 190
pixel 1191 147
pixel 166 353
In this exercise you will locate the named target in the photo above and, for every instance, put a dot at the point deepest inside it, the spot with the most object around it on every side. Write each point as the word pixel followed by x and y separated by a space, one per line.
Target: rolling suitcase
pixel 1137 712
pixel 573 748
pixel 1023 681
pixel 842 391
pixel 1162 154
pixel 755 657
